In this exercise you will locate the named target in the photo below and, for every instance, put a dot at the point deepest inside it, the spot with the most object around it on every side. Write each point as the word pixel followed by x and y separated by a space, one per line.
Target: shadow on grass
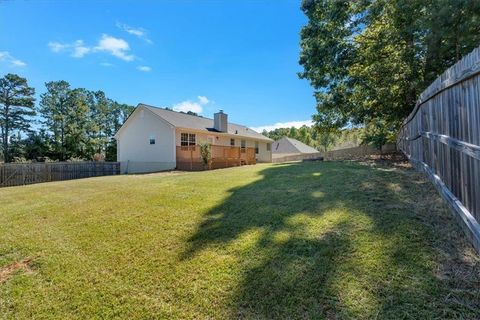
pixel 334 240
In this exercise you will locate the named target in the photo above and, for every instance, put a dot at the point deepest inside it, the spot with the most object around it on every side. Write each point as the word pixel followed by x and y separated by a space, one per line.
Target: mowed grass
pixel 299 240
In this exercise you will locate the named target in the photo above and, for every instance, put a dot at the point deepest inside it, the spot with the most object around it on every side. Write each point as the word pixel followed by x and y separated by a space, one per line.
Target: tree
pixel 16 106
pixel 54 108
pixel 99 106
pixel 36 146
pixel 78 142
pixel 118 115
pixel 327 137
pixel 206 154
pixel 369 60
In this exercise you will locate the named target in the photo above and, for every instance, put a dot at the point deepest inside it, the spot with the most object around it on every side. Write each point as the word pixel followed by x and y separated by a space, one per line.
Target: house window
pixel 232 142
pixel 268 147
pixel 187 139
pixel 256 147
pixel 242 145
pixel 152 139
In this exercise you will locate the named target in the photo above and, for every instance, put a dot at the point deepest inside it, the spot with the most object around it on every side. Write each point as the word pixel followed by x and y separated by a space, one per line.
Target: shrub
pixel 206 154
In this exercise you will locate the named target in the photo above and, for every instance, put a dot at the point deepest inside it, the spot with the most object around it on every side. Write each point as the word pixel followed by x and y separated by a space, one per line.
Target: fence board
pixel 15 174
pixel 442 138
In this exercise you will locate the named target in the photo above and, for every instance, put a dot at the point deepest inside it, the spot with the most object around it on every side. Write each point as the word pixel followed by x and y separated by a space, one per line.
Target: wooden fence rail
pixel 442 137
pixel 15 174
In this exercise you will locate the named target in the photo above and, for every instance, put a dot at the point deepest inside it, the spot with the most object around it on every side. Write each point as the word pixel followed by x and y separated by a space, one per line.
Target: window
pixel 152 139
pixel 242 145
pixel 256 147
pixel 187 139
pixel 268 147
pixel 232 142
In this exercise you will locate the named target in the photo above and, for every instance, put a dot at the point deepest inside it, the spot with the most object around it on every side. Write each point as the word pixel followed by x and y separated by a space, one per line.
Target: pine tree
pixel 17 106
pixel 54 108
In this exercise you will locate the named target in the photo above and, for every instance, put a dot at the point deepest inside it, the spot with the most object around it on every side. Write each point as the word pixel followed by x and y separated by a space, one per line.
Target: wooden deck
pixel 188 158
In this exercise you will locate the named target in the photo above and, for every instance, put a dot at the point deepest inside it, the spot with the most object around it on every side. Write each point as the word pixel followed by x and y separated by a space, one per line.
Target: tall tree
pixel 78 143
pixel 99 112
pixel 54 107
pixel 17 105
pixel 368 60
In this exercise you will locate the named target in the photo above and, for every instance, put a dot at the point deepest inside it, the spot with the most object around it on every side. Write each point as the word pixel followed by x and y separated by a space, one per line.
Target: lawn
pixel 298 240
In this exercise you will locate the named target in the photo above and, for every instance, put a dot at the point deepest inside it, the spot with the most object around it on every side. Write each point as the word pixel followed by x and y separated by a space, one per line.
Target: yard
pixel 299 240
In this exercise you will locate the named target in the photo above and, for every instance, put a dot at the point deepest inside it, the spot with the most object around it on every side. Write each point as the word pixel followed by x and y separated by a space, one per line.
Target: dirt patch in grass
pixel 8 271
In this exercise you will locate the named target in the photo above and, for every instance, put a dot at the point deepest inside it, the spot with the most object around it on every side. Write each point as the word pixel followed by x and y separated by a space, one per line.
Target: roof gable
pixel 289 145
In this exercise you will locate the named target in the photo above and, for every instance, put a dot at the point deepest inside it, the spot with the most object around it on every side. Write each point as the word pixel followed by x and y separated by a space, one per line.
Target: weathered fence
pixel 15 174
pixel 339 154
pixel 359 152
pixel 295 157
pixel 442 137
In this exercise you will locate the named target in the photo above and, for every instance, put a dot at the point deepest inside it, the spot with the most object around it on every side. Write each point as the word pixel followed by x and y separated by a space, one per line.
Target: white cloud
pixel 106 64
pixel 115 46
pixel 296 124
pixel 79 49
pixel 138 32
pixel 194 106
pixel 57 46
pixel 203 100
pixel 76 49
pixel 144 68
pixel 11 61
pixel 188 105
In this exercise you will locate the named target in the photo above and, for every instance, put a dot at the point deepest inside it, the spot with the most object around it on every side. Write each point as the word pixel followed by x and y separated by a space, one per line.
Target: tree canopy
pixel 17 104
pixel 369 60
pixel 321 140
pixel 72 123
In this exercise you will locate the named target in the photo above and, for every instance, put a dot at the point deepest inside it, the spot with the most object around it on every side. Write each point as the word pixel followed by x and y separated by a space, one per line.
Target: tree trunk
pixel 63 141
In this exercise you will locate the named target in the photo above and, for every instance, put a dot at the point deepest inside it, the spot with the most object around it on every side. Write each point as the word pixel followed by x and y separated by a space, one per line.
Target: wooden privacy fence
pixel 339 154
pixel 442 137
pixel 295 157
pixel 15 174
pixel 359 152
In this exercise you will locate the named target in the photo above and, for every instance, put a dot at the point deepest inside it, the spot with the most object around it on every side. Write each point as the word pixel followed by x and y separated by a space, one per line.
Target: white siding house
pixel 152 138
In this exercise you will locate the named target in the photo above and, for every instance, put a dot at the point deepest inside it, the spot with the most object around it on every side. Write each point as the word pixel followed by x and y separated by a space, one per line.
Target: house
pixel 156 139
pixel 288 146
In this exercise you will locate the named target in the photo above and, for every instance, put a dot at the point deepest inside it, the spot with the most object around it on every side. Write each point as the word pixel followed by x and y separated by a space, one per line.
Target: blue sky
pixel 239 56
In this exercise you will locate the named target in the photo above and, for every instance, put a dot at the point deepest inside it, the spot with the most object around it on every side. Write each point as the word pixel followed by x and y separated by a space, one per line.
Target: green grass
pixel 300 240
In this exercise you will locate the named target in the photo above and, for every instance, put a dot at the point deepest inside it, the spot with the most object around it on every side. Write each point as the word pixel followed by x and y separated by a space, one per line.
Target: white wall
pixel 135 152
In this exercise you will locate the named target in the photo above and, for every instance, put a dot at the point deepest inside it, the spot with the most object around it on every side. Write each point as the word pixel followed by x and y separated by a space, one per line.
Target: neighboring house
pixel 288 146
pixel 155 139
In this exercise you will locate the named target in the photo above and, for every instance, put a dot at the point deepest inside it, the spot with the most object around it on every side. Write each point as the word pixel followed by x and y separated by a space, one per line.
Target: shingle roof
pixel 187 121
pixel 289 145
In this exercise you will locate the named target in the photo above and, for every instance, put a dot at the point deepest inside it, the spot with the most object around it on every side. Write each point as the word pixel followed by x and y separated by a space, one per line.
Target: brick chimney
pixel 220 121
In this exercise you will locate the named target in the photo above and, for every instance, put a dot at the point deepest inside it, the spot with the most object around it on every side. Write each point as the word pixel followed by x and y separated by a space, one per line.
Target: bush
pixel 206 154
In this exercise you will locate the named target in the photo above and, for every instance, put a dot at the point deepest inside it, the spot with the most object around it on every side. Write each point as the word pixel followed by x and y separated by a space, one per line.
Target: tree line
pixel 318 139
pixel 67 124
pixel 369 60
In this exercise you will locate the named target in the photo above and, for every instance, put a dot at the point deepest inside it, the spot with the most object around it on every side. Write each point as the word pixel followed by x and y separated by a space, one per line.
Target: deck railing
pixel 189 158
